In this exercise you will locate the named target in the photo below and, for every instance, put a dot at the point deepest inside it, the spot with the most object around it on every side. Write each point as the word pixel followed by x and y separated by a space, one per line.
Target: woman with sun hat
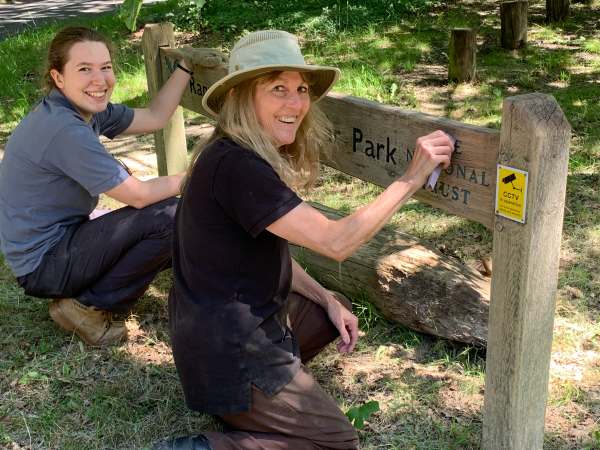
pixel 245 317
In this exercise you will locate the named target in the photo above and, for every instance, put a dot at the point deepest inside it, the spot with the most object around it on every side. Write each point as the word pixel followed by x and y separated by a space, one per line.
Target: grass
pixel 57 393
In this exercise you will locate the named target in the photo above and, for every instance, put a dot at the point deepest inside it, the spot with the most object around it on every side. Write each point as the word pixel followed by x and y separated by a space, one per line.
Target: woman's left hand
pixel 345 322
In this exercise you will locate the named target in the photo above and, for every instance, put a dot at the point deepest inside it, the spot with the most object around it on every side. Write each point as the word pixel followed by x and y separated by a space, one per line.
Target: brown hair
pixel 58 52
pixel 298 163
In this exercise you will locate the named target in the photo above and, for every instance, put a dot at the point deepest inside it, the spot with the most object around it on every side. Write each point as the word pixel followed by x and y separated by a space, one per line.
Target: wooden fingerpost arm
pixel 535 139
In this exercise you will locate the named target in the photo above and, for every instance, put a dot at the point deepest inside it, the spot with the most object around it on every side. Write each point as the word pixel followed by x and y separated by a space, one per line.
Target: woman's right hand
pixel 431 151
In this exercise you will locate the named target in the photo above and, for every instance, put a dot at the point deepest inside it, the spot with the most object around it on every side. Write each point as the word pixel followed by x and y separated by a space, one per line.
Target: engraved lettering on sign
pixel 375 150
pixel 385 150
pixel 197 88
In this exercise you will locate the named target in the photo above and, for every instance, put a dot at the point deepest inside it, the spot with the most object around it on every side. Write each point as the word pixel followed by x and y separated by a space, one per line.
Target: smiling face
pixel 280 104
pixel 87 78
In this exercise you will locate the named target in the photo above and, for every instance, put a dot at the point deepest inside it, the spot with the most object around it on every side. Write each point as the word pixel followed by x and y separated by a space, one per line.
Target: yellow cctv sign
pixel 511 193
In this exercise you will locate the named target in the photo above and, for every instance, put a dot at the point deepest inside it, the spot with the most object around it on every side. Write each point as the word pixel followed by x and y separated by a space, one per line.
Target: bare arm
pixel 345 322
pixel 339 239
pixel 161 108
pixel 138 193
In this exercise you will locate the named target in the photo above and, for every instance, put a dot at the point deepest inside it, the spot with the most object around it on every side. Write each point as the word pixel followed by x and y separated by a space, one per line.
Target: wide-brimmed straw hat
pixel 262 52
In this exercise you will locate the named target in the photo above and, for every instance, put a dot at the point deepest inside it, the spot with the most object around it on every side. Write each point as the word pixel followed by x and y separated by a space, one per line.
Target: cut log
pixel 462 55
pixel 513 19
pixel 557 10
pixel 410 283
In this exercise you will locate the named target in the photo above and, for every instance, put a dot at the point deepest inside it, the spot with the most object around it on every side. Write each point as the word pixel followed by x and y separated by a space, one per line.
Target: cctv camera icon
pixel 509 179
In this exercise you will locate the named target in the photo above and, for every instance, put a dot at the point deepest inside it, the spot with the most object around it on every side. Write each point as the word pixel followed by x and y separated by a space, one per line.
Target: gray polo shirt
pixel 53 170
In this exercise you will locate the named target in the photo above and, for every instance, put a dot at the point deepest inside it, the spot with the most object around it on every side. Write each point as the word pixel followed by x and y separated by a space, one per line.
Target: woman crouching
pixel 244 316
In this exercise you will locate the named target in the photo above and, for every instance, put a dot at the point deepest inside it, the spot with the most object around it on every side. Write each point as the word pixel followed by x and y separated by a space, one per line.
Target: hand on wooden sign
pixel 432 180
pixel 431 151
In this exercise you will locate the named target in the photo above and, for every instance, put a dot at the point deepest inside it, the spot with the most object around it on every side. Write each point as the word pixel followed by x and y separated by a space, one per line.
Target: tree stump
pixel 557 10
pixel 513 18
pixel 410 284
pixel 461 55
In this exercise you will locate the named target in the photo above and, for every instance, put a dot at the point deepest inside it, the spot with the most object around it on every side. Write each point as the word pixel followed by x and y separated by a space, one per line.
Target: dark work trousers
pixel 302 415
pixel 107 262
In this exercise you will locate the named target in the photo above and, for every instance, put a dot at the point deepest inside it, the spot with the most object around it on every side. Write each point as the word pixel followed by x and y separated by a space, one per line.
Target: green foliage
pixel 311 17
pixel 358 414
pixel 129 12
pixel 186 12
pixel 367 314
pixel 32 376
pixel 592 46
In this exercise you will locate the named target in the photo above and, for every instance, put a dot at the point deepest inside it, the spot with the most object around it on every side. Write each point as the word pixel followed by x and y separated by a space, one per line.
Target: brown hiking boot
pixel 95 326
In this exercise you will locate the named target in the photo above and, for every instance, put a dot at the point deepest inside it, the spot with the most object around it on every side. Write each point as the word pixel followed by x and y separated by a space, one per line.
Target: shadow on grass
pixel 58 393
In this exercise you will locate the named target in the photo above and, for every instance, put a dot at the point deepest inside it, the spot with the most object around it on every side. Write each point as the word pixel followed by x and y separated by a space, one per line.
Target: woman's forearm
pixel 348 234
pixel 168 97
pixel 307 286
pixel 160 188
pixel 338 239
pixel 161 108
pixel 139 194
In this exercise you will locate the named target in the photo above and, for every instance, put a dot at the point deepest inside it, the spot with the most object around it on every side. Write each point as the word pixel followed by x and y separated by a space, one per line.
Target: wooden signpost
pixel 513 182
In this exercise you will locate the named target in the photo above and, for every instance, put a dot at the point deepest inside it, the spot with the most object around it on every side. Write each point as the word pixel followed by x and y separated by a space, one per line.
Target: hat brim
pixel 324 78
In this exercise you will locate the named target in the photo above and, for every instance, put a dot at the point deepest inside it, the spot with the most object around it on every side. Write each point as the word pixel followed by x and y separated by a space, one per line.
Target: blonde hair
pixel 297 164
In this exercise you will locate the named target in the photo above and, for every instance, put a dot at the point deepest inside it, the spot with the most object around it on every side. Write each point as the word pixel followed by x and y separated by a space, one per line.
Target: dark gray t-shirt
pixel 53 170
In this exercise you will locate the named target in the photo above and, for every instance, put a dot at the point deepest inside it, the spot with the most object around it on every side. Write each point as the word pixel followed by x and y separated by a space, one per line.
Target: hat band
pixel 278 52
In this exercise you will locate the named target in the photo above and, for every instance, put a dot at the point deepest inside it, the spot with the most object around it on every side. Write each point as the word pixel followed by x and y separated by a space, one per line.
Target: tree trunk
pixel 409 283
pixel 557 10
pixel 513 17
pixel 461 55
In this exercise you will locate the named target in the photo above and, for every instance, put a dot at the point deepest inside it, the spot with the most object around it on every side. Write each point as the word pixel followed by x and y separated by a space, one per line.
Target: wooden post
pixel 557 10
pixel 534 138
pixel 461 55
pixel 513 29
pixel 171 148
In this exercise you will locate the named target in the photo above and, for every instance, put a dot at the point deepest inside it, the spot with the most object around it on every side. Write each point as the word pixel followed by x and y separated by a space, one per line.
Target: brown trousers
pixel 302 415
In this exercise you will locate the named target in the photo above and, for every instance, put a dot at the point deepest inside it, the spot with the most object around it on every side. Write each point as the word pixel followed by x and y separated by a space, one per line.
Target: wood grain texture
pixel 535 138
pixel 513 24
pixel 410 283
pixel 462 55
pixel 171 149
